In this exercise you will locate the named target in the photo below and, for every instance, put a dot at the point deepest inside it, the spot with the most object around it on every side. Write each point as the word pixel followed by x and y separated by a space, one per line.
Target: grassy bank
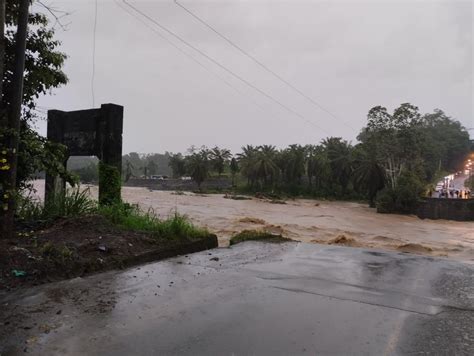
pixel 73 236
pixel 76 203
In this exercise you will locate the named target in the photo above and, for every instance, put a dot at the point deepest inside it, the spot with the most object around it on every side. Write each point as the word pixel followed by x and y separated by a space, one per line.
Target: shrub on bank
pixel 404 198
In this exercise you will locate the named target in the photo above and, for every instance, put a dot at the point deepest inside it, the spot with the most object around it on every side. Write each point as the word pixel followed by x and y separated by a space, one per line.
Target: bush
pixel 404 198
pixel 110 183
pixel 385 201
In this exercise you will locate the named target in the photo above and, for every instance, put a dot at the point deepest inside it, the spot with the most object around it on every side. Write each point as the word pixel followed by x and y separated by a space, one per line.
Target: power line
pixel 224 68
pixel 93 56
pixel 189 56
pixel 244 95
pixel 262 65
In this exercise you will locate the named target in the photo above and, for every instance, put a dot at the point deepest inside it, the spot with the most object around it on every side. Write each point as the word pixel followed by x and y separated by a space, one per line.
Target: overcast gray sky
pixel 347 55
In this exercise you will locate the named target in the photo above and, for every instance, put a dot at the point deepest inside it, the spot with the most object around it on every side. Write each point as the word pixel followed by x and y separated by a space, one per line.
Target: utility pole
pixel 14 116
pixel 3 117
pixel 2 55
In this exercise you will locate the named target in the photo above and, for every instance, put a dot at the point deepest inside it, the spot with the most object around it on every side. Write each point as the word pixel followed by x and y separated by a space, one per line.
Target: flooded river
pixel 345 223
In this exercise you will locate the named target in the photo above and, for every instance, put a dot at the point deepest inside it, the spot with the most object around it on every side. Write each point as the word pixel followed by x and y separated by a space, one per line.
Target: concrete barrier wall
pixel 448 209
pixel 220 184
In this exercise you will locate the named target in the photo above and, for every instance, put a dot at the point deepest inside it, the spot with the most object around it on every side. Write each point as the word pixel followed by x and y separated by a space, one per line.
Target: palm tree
pixel 318 167
pixel 265 166
pixel 234 168
pixel 293 165
pixel 197 164
pixel 311 171
pixel 247 160
pixel 219 158
pixel 369 175
pixel 339 153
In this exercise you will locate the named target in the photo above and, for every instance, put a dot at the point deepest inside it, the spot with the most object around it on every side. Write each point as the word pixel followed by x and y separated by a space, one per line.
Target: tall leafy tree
pixel 395 137
pixel 43 73
pixel 152 167
pixel 447 143
pixel 43 62
pixel 177 165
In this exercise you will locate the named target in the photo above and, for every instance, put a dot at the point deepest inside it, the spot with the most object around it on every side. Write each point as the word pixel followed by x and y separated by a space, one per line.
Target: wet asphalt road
pixel 252 299
pixel 458 182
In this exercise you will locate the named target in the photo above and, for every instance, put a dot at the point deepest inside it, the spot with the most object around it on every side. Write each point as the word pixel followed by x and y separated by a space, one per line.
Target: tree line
pixel 396 157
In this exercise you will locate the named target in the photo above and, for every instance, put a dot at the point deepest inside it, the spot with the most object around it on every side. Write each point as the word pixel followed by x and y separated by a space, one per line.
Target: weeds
pixel 58 254
pixel 73 202
pixel 130 217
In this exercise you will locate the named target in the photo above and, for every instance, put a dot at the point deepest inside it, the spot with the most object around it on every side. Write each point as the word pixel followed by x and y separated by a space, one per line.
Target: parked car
pixel 159 177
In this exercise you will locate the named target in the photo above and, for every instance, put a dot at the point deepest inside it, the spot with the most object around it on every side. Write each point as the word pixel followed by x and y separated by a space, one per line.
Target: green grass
pixel 257 235
pixel 76 203
pixel 130 217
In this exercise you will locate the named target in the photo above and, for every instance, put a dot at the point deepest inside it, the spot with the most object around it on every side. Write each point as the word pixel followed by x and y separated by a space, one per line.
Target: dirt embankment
pixel 80 246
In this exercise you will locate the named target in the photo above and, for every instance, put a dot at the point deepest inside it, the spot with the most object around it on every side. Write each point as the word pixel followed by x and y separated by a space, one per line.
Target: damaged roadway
pixel 252 298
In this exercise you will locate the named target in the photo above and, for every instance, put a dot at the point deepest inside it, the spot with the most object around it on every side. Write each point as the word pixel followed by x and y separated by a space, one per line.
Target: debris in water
pixel 342 239
pixel 252 220
pixel 414 248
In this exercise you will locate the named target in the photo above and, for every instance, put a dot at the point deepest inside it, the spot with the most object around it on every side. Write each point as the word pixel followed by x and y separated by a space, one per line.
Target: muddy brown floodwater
pixel 314 221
